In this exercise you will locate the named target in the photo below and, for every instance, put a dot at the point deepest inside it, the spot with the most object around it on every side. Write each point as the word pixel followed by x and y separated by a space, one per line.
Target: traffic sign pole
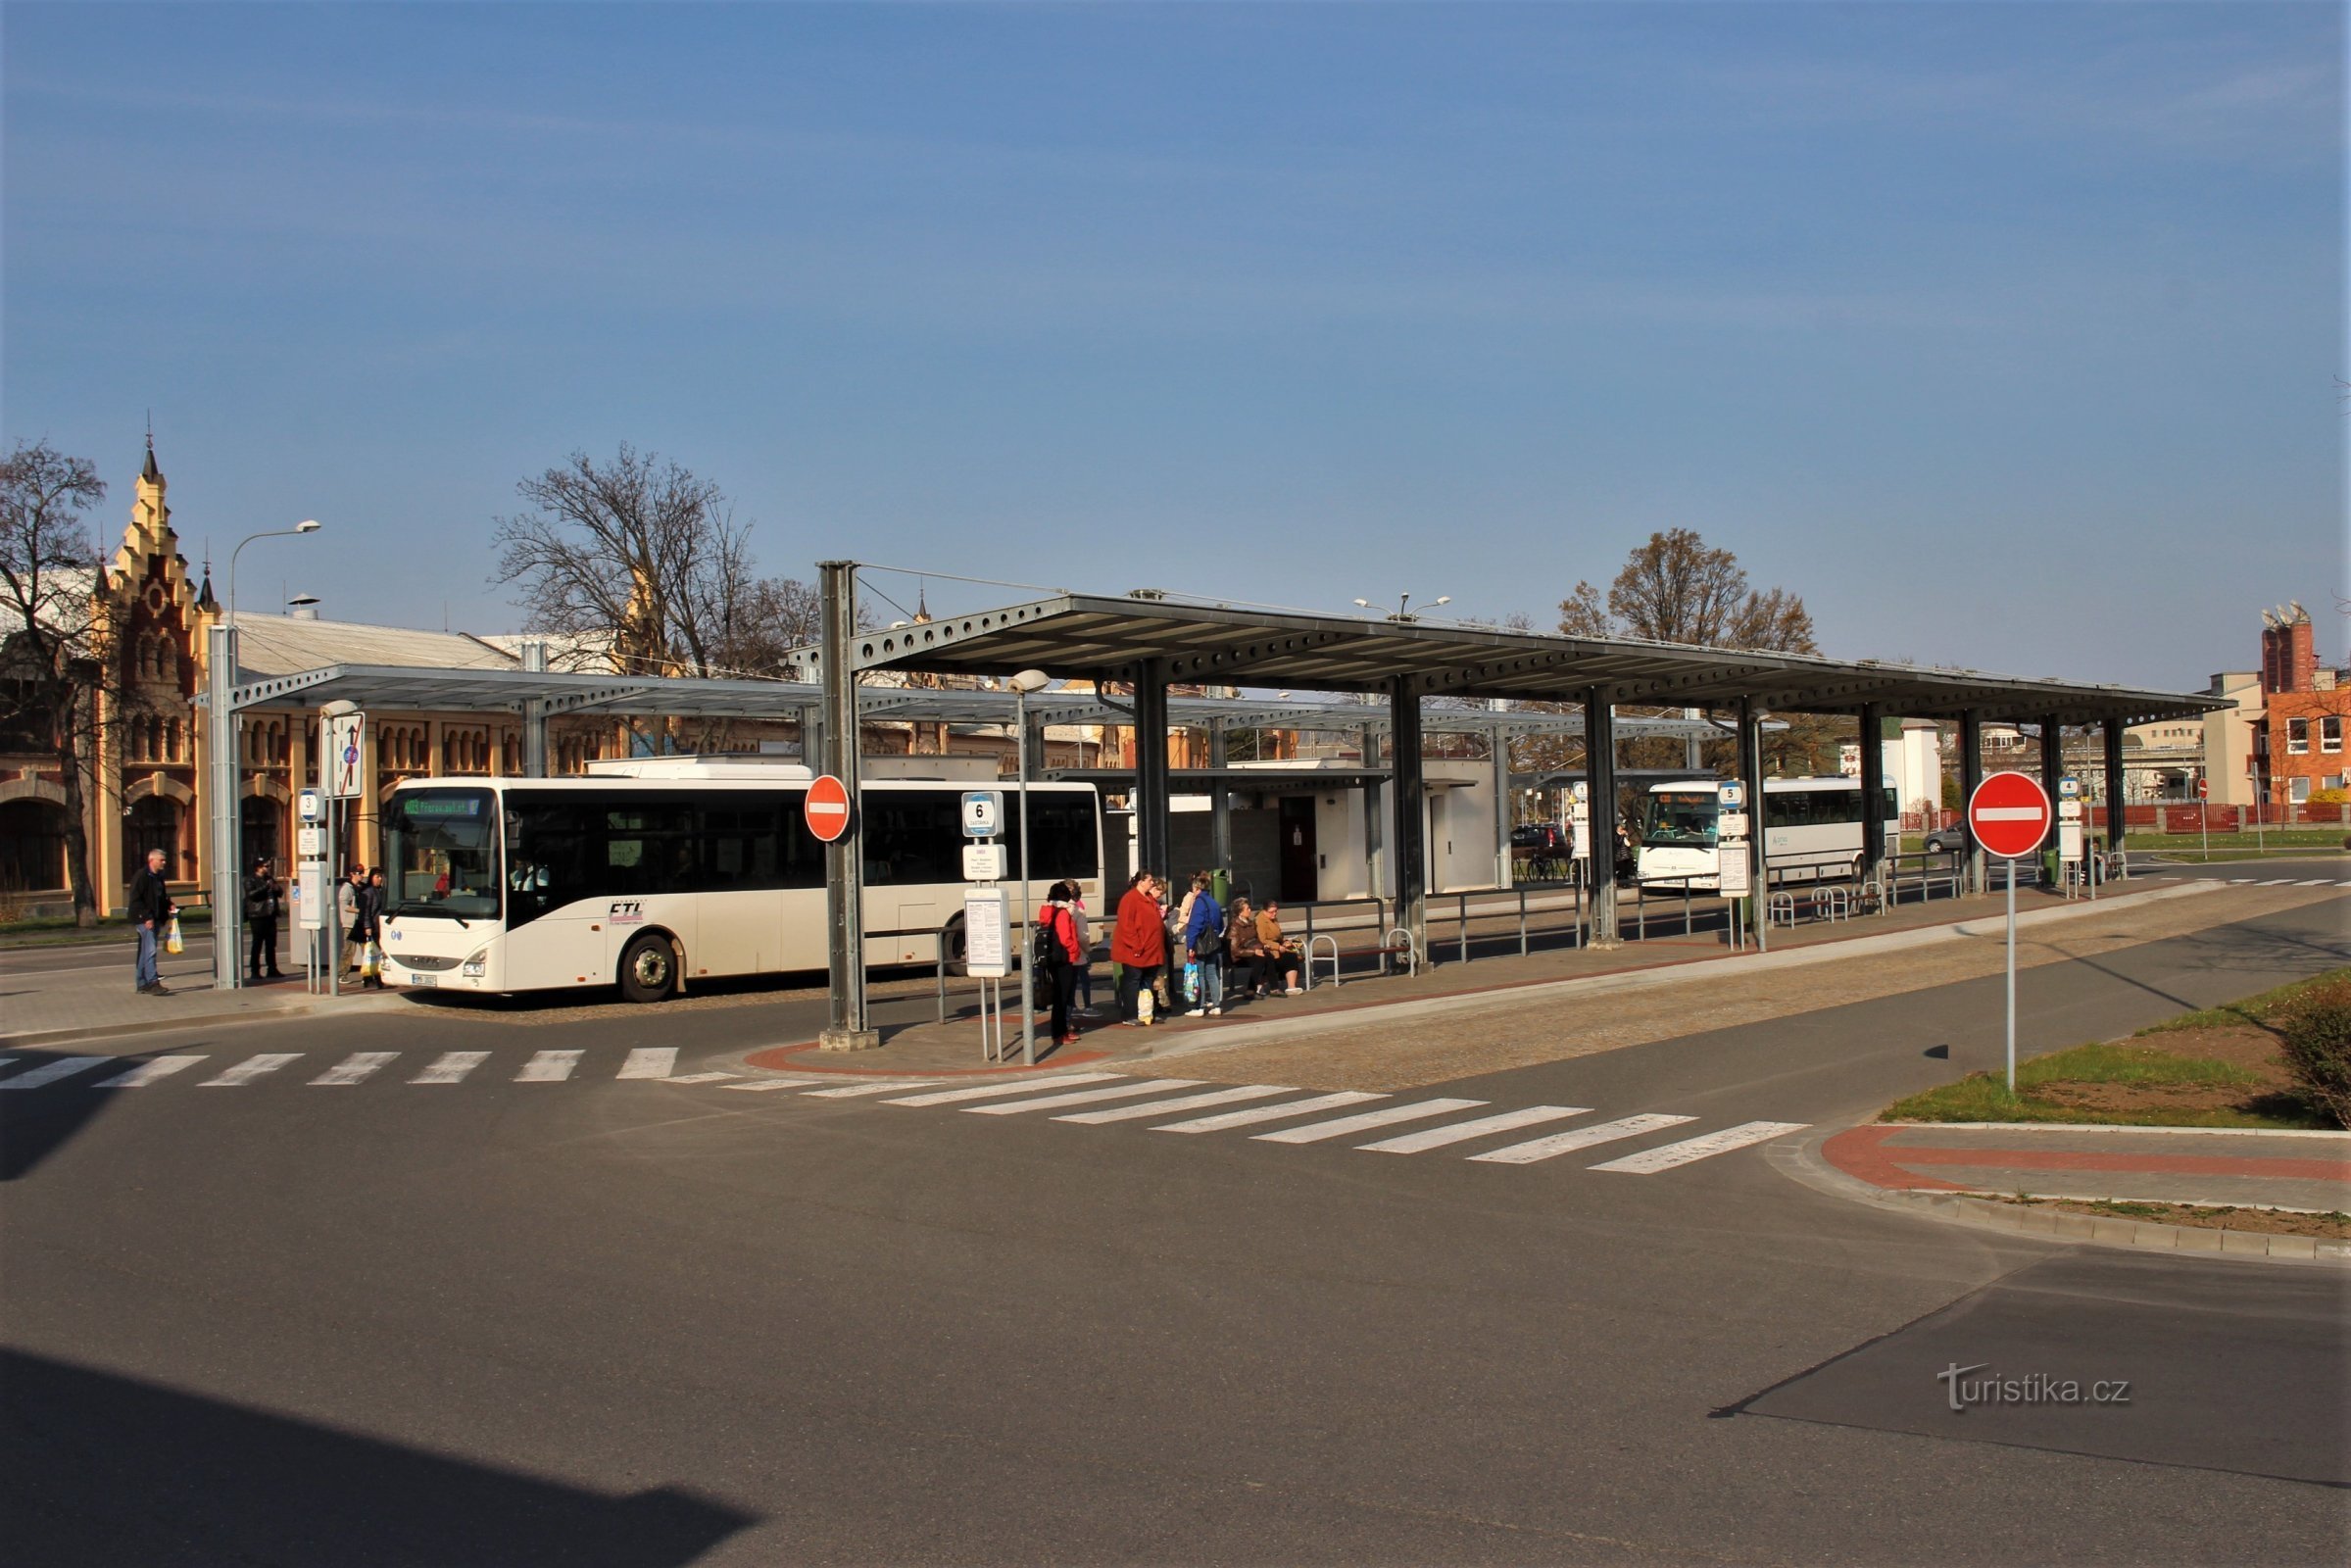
pixel 2008 814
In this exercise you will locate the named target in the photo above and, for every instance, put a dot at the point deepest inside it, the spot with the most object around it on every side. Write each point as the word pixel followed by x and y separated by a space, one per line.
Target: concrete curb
pixel 1802 1162
pixel 2114 1127
pixel 1827 952
pixel 204 1020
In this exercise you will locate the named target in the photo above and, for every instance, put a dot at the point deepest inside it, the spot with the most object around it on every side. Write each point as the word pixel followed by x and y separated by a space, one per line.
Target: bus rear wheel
pixel 648 968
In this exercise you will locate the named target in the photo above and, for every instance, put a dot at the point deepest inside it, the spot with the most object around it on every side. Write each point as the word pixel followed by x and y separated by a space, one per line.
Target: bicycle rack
pixel 1780 910
pixel 1313 943
pixel 1870 898
pixel 1837 903
pixel 1400 938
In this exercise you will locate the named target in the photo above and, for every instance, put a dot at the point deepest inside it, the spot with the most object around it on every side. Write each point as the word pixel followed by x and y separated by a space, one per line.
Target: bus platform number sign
pixel 310 807
pixel 826 810
pixel 983 813
pixel 2009 815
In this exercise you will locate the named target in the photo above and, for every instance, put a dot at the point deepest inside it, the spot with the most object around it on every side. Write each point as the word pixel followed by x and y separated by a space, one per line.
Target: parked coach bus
pixel 654 872
pixel 1811 831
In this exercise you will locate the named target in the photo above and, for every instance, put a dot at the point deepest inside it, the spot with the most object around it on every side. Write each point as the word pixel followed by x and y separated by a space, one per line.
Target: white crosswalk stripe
pixel 769 1085
pixel 358 1067
pixel 1650 1162
pixel 2315 882
pixel 2238 881
pixel 649 1062
pixel 1160 1108
pixel 1082 1097
pixel 1568 1143
pixel 2278 882
pixel 1258 1113
pixel 1462 1131
pixel 955 1096
pixel 450 1067
pixel 148 1072
pixel 700 1078
pixel 854 1091
pixel 549 1067
pixel 49 1072
pixel 1365 1121
pixel 244 1072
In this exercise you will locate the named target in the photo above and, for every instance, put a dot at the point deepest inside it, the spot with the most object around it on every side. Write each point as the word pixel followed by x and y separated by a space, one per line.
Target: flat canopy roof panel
pixel 1074 635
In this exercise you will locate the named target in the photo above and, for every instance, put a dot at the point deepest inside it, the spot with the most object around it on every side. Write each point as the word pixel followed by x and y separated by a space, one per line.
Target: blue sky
pixel 2006 334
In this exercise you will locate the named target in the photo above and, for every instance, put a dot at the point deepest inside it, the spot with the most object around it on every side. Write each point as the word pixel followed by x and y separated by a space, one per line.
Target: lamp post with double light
pixel 1027 681
pixel 221 774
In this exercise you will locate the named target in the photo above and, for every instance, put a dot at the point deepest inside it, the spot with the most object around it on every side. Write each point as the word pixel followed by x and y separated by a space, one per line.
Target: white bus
pixel 653 874
pixel 1811 831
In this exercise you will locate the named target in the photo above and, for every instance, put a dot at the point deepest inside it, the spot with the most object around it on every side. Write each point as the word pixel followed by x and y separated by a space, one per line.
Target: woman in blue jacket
pixel 1204 942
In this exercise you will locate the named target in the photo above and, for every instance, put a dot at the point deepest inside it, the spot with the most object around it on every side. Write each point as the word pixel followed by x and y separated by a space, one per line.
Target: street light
pixel 220 727
pixel 1403 606
pixel 1027 681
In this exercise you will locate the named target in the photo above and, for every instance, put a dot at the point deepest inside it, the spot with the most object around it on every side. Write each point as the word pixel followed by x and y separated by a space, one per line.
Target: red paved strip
pixel 1866 1153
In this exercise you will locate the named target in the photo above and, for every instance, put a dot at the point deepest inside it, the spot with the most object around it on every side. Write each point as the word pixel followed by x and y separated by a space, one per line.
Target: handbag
pixel 172 942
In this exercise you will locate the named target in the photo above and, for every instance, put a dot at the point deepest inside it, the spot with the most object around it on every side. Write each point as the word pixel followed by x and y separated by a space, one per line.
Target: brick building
pixel 2297 744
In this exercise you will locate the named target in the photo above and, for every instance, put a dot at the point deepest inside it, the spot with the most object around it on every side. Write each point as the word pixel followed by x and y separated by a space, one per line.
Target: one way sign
pixel 346 737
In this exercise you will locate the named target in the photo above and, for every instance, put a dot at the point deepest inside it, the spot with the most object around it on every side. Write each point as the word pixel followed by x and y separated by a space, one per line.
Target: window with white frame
pixel 2331 733
pixel 2297 736
pixel 2298 789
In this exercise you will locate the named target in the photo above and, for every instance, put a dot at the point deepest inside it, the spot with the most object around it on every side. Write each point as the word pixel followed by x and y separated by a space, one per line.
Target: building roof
pixel 1080 635
pixel 270 645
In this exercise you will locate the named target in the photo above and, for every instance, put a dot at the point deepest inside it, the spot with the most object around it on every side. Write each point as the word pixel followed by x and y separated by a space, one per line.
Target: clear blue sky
pixel 2007 334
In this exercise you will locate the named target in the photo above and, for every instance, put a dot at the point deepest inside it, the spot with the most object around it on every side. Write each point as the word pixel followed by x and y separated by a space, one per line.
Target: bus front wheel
pixel 648 968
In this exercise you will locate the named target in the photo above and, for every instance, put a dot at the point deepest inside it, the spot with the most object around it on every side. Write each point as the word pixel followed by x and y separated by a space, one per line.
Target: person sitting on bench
pixel 1244 950
pixel 1281 954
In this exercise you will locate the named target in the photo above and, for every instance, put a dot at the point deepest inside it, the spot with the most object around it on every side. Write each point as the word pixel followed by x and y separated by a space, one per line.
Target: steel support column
pixel 1759 861
pixel 1375 848
pixel 1151 766
pixel 1971 774
pixel 1410 859
pixel 1220 818
pixel 2053 768
pixel 1599 777
pixel 843 863
pixel 1497 743
pixel 220 811
pixel 534 714
pixel 2113 736
pixel 1872 789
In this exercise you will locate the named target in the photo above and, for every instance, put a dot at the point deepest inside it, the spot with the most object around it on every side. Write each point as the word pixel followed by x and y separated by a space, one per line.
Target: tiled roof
pixel 280 645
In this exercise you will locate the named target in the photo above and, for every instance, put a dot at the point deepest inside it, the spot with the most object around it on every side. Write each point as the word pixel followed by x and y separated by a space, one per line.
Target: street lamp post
pixel 1027 681
pixel 1403 606
pixel 222 771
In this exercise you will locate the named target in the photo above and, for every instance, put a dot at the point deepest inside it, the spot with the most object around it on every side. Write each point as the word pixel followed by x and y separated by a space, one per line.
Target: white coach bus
pixel 1811 831
pixel 652 873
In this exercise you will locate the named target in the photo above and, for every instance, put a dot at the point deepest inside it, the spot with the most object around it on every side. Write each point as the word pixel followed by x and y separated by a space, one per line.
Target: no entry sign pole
pixel 2009 815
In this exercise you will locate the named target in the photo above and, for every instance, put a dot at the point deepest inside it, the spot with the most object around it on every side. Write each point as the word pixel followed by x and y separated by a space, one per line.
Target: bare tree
pixel 641 560
pixel 56 651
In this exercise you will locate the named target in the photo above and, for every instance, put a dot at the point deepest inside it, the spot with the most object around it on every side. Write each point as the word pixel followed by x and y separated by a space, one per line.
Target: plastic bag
pixel 1144 1005
pixel 172 942
pixel 372 959
pixel 1191 982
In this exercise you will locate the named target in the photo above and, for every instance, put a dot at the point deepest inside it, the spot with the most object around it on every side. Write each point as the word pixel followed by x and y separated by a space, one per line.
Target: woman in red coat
pixel 1139 942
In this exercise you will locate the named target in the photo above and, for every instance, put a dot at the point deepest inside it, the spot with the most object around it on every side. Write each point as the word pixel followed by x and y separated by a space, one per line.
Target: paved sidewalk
pixel 49 998
pixel 2310 1171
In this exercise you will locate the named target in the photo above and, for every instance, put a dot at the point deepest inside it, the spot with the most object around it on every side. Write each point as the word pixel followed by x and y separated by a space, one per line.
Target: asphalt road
pixel 596 1320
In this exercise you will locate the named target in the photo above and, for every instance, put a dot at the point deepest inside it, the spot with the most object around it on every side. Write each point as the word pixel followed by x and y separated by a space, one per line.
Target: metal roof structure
pixel 1105 638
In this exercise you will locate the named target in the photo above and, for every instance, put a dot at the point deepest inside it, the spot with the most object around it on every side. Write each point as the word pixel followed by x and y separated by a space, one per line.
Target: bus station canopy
pixel 1106 639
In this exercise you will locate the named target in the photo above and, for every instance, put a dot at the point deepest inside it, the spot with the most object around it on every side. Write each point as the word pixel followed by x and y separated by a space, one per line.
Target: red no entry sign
pixel 827 807
pixel 2009 815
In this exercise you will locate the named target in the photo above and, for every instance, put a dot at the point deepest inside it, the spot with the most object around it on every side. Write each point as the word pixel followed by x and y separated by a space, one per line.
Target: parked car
pixel 1541 838
pixel 1946 840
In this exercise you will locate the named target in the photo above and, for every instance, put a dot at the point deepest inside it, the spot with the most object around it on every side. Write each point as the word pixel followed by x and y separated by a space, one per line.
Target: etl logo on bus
pixel 627 912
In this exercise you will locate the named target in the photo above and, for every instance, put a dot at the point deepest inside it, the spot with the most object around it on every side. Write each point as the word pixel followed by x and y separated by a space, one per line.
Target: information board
pixel 983 861
pixel 987 934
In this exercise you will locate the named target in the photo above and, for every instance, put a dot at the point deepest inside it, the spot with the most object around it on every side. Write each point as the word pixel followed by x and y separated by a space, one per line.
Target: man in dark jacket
pixel 151 911
pixel 367 929
pixel 265 902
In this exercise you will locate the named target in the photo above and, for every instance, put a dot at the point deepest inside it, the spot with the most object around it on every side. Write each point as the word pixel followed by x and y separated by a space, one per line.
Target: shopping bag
pixel 172 942
pixel 1191 982
pixel 372 959
pixel 1144 1005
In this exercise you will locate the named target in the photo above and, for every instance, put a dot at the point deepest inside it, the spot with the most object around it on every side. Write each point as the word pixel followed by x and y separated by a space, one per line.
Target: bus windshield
pixel 1680 818
pixel 441 853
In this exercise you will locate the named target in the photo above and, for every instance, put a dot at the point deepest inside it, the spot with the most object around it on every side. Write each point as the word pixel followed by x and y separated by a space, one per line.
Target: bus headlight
pixel 473 966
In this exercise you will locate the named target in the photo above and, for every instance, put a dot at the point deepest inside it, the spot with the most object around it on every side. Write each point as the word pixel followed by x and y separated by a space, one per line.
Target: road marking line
pixel 244 1072
pixel 950 1097
pixel 1346 1125
pixel 1462 1131
pixel 451 1066
pixel 49 1072
pixel 700 1078
pixel 2280 882
pixel 649 1062
pixel 1216 1096
pixel 357 1067
pixel 147 1072
pixel 1650 1162
pixel 1082 1097
pixel 885 1087
pixel 1581 1137
pixel 2314 882
pixel 2238 881
pixel 761 1085
pixel 1258 1113
pixel 549 1067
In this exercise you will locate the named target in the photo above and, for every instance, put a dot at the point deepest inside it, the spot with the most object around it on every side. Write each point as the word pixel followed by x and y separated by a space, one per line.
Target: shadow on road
pixel 97 1468
pixel 38 1120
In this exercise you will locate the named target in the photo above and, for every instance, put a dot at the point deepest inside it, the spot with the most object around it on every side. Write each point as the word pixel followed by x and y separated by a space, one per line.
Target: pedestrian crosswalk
pixel 1281 1115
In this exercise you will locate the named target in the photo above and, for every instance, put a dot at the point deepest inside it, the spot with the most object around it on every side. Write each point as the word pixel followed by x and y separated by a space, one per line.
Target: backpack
pixel 1045 950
